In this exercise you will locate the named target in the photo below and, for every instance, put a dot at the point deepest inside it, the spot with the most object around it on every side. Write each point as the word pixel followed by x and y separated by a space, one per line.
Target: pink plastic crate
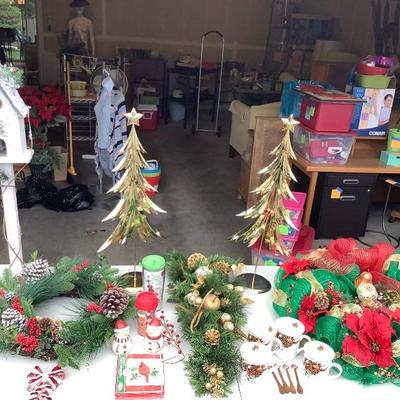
pixel 295 207
pixel 292 233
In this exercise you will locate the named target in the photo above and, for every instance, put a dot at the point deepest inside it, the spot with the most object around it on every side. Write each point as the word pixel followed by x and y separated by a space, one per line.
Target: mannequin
pixel 80 30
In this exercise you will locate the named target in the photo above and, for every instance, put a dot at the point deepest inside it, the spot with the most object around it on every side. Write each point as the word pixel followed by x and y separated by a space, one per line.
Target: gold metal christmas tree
pixel 134 206
pixel 269 213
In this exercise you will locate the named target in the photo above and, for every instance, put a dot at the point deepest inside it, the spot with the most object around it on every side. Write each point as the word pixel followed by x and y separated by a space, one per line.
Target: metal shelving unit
pixel 83 120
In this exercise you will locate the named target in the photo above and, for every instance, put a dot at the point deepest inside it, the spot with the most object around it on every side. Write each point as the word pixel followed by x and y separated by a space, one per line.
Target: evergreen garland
pixel 224 356
pixel 71 342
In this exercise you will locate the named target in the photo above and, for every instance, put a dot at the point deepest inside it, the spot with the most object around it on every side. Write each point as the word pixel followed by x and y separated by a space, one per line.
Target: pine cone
pixel 11 317
pixel 9 295
pixel 222 266
pixel 216 383
pixel 114 302
pixel 322 301
pixel 36 270
pixel 197 260
pixel 48 324
pixel 212 337
pixel 391 297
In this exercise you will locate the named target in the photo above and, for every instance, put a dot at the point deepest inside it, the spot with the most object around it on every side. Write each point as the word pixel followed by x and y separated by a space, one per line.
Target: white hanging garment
pixel 103 112
pixel 112 130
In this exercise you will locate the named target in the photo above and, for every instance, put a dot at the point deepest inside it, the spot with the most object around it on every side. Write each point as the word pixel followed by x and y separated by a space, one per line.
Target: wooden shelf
pixel 371 138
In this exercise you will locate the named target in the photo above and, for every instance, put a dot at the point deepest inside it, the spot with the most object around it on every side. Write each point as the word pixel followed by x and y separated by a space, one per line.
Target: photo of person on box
pixel 386 109
pixel 377 109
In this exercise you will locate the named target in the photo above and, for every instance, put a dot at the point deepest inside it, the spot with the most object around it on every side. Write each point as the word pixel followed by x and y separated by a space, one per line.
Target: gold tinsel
pixel 212 337
pixel 216 380
pixel 196 260
pixel 134 205
pixel 269 213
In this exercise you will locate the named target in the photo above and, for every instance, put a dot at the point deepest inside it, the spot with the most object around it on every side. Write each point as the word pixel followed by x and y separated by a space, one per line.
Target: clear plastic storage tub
pixel 323 147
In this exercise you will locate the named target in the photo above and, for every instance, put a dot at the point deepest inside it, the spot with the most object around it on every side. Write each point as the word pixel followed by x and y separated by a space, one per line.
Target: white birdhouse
pixel 13 110
pixel 13 150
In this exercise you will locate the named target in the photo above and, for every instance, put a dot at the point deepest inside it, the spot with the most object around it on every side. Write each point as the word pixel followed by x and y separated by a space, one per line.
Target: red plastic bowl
pixel 365 69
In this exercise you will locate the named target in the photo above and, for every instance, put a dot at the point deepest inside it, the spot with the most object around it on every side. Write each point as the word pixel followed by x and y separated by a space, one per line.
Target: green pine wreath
pixel 309 286
pixel 71 342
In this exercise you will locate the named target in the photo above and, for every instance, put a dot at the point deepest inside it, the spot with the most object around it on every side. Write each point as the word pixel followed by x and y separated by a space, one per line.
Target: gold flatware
pixel 292 389
pixel 285 386
pixel 299 387
pixel 280 387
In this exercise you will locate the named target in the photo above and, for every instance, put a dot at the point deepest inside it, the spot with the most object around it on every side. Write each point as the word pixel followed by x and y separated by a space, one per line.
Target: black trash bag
pixel 73 198
pixel 34 192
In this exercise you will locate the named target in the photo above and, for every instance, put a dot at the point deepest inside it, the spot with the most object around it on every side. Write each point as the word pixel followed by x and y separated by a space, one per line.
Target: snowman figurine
pixel 154 339
pixel 122 341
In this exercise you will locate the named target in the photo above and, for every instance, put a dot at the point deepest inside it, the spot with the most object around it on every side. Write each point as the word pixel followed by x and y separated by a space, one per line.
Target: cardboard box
pixel 60 172
pixel 371 119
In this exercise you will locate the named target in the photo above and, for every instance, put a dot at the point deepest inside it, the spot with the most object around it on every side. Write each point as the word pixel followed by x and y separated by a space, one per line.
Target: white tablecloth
pixel 96 380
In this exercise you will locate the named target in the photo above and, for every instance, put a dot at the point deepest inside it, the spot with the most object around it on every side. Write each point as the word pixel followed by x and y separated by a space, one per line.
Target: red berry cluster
pixel 81 266
pixel 16 305
pixel 33 327
pixel 335 295
pixel 27 343
pixel 2 293
pixel 169 333
pixel 93 307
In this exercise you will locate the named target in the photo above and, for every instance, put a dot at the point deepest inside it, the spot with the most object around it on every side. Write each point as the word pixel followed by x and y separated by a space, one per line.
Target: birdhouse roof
pixel 9 89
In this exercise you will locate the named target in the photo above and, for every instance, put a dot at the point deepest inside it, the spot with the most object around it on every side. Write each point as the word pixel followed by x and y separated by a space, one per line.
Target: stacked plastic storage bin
pixel 290 236
pixel 324 135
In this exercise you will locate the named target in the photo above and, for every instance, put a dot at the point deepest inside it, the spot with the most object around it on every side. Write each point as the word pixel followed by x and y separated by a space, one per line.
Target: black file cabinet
pixel 341 205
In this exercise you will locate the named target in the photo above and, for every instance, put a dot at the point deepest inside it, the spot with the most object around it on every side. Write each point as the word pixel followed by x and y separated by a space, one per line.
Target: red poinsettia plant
pixel 47 109
pixel 295 265
pixel 316 305
pixel 370 337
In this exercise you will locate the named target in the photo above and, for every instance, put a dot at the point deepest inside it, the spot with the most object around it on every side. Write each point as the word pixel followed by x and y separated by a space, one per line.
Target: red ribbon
pixel 41 384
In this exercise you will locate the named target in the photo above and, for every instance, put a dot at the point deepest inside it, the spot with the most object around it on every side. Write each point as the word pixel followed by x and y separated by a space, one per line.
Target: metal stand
pixel 216 129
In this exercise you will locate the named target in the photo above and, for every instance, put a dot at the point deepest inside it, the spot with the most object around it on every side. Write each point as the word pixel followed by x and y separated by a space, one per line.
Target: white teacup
pixel 318 360
pixel 290 332
pixel 266 335
pixel 254 360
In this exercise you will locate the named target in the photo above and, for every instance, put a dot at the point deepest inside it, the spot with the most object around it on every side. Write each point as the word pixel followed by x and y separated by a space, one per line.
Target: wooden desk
pixel 360 163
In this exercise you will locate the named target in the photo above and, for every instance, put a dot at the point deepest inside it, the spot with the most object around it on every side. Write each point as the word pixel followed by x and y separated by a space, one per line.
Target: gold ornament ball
pixel 225 317
pixel 229 286
pixel 198 301
pixel 220 374
pixel 208 386
pixel 239 289
pixel 212 302
pixel 213 371
pixel 229 326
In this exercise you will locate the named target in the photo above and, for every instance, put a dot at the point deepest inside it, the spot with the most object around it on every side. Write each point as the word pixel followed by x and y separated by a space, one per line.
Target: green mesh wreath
pixel 288 296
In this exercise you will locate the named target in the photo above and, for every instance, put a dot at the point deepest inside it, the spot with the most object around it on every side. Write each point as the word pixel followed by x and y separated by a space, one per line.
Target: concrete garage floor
pixel 198 190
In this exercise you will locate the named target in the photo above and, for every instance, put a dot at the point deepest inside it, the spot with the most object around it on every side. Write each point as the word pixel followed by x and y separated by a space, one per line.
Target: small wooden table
pixel 360 163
